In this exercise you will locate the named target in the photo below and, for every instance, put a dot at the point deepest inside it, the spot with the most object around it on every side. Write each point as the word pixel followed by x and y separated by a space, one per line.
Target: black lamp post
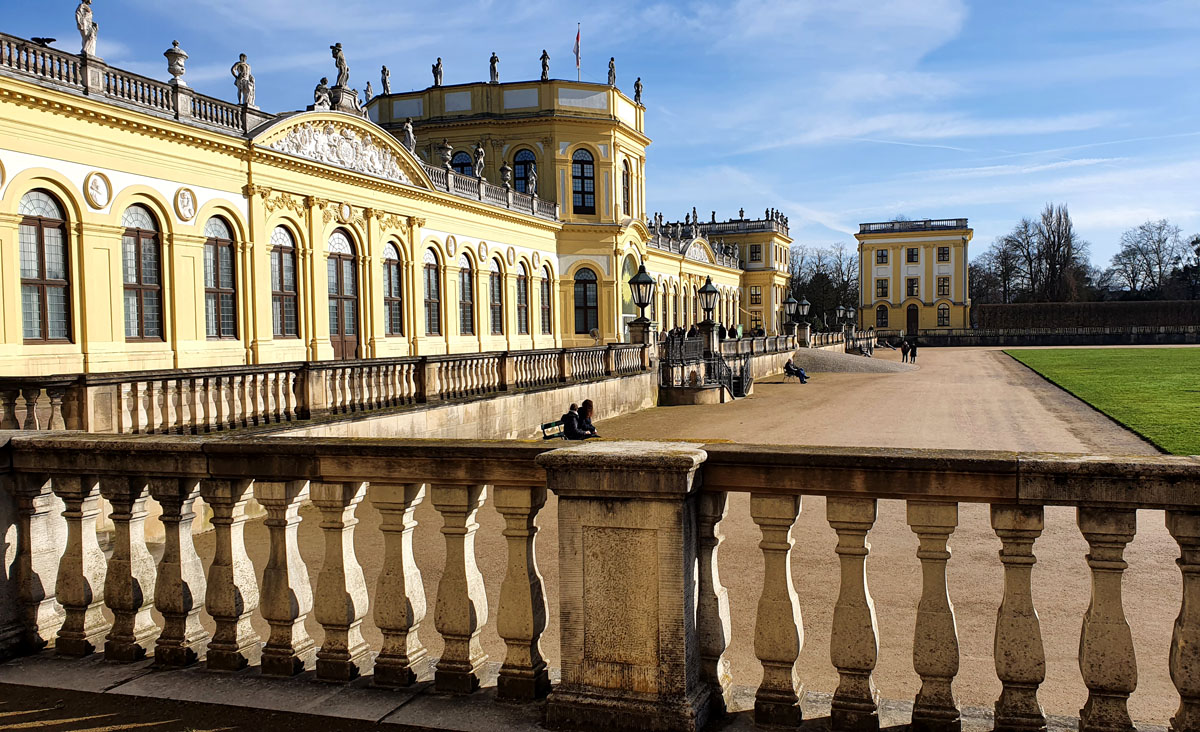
pixel 642 287
pixel 790 306
pixel 840 313
pixel 708 298
pixel 802 309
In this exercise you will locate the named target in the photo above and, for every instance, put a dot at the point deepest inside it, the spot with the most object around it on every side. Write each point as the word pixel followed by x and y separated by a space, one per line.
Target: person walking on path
pixel 912 352
pixel 903 351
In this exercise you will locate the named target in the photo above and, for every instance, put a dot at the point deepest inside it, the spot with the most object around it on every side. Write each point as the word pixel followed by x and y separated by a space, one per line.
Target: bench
pixel 553 431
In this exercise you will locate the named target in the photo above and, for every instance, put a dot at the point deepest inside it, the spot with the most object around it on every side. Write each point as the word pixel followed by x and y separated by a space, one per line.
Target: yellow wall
pixel 927 271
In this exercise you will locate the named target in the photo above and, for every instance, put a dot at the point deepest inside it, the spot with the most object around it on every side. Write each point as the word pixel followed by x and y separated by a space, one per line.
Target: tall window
pixel 393 304
pixel 433 295
pixel 583 183
pixel 626 185
pixel 547 295
pixel 881 256
pixel 587 302
pixel 466 297
pixel 342 275
pixel 756 295
pixel 522 300
pixel 756 320
pixel 141 272
pixel 220 295
pixel 913 255
pixel 943 315
pixel 756 252
pixel 666 308
pixel 283 284
pixel 881 288
pixel 881 316
pixel 912 287
pixel 523 164
pixel 45 269
pixel 496 298
pixel 943 287
pixel 943 254
pixel 462 164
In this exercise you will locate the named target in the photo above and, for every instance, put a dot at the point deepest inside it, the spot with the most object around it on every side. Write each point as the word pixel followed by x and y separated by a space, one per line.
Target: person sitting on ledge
pixel 585 419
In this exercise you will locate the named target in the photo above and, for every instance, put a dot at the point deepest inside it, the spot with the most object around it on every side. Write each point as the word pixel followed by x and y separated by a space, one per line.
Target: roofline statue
pixel 88 28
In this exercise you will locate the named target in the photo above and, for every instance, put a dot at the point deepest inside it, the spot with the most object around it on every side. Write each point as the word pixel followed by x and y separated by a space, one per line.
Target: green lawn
pixel 1153 391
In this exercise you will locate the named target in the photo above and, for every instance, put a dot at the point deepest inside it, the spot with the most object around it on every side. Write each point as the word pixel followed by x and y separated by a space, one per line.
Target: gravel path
pixel 814 361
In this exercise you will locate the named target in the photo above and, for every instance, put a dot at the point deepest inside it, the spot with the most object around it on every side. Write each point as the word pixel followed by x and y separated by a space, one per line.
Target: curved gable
pixel 698 252
pixel 346 142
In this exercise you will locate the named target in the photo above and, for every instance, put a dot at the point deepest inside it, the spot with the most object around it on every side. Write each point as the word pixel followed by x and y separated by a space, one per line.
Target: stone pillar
pixel 129 585
pixel 179 591
pixel 778 627
pixel 80 585
pixel 41 541
pixel 232 593
pixel 287 598
pixel 31 396
pixel 8 409
pixel 713 607
pixel 854 640
pixel 1106 657
pixel 341 599
pixel 1185 640
pixel 93 74
pixel 399 594
pixel 461 610
pixel 628 558
pixel 804 333
pixel 522 616
pixel 1019 655
pixel 935 641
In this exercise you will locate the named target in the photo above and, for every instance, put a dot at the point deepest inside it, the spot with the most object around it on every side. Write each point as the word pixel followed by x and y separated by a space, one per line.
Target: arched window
pixel 283 284
pixel 496 298
pixel 462 164
pixel 943 315
pixel 220 290
pixel 587 302
pixel 433 295
pixel 666 307
pixel 45 269
pixel 546 304
pixel 393 303
pixel 141 271
pixel 343 296
pixel 466 297
pixel 583 182
pixel 524 163
pixel 626 185
pixel 522 300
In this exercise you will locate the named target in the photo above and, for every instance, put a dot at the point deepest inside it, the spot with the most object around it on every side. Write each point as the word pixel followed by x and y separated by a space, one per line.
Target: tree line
pixel 827 277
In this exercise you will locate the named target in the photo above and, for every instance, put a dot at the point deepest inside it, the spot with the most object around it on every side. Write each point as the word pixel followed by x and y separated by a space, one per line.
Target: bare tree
pixel 1156 247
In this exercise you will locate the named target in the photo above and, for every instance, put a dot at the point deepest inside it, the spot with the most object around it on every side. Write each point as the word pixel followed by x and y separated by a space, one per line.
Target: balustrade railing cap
pixel 623 469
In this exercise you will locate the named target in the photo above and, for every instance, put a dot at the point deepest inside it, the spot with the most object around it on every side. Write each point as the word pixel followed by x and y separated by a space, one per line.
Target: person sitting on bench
pixel 585 419
pixel 570 422
pixel 790 369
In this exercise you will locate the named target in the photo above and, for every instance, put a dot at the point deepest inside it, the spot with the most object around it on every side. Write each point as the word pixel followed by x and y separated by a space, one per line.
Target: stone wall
pixel 1063 337
pixel 1087 314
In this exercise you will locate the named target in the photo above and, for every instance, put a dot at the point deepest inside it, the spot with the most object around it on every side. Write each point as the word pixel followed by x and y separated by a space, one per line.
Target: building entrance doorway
pixel 343 297
pixel 914 320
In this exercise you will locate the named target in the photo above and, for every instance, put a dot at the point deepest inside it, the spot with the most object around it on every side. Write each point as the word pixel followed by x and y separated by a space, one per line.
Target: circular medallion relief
pixel 344 213
pixel 97 190
pixel 537 260
pixel 483 249
pixel 451 246
pixel 512 256
pixel 185 204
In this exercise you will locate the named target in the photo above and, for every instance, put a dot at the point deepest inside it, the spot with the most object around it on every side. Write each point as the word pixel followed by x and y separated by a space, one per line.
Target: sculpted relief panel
pixel 341 147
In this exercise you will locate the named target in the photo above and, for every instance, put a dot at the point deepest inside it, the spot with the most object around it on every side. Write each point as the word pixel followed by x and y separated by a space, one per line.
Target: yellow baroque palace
pixel 146 226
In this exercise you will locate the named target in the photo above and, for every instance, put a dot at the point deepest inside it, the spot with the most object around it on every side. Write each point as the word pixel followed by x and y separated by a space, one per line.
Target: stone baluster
pixel 461 609
pixel 232 593
pixel 1185 640
pixel 129 584
pixel 80 584
pixel 522 615
pixel 170 390
pixel 778 628
pixel 854 639
pixel 1018 651
pixel 56 394
pixel 712 613
pixel 184 409
pixel 399 594
pixel 179 589
pixel 287 598
pixel 8 409
pixel 41 540
pixel 935 640
pixel 341 599
pixel 1106 657
pixel 31 397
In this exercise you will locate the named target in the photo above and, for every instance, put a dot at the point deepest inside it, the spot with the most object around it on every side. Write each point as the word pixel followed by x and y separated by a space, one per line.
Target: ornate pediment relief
pixel 698 252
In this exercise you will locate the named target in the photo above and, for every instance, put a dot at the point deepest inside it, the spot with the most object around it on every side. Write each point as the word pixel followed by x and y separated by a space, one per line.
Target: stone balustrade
pixel 644 619
pixel 757 345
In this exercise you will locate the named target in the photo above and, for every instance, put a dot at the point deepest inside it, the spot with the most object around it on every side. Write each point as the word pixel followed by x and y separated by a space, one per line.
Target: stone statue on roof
pixel 545 65
pixel 637 91
pixel 369 92
pixel 494 68
pixel 339 59
pixel 437 72
pixel 385 79
pixel 479 160
pixel 321 94
pixel 612 71
pixel 243 80
pixel 88 28
pixel 410 138
pixel 531 180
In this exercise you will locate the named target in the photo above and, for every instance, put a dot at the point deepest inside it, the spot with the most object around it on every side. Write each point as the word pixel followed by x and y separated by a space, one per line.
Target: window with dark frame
pixel 625 188
pixel 220 291
pixel 756 252
pixel 141 273
pixel 943 315
pixel 914 255
pixel 756 295
pixel 462 164
pixel 466 297
pixel 881 256
pixel 433 295
pixel 524 162
pixel 522 300
pixel 546 304
pixel 583 182
pixel 45 269
pixel 943 287
pixel 881 288
pixel 284 321
pixel 913 287
pixel 756 320
pixel 587 302
pixel 496 298
pixel 881 316
pixel 943 254
pixel 393 302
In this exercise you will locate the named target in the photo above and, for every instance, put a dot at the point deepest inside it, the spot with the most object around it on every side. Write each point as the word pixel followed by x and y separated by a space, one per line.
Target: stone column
pixel 712 612
pixel 129 585
pixel 628 558
pixel 341 600
pixel 778 627
pixel 8 409
pixel 522 616
pixel 286 595
pixel 232 593
pixel 179 591
pixel 80 585
pixel 1018 651
pixel 31 396
pixel 1185 640
pixel 935 641
pixel 399 594
pixel 41 541
pixel 854 640
pixel 1106 657
pixel 461 609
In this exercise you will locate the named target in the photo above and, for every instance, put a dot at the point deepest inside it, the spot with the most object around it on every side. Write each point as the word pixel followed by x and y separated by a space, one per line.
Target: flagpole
pixel 578 30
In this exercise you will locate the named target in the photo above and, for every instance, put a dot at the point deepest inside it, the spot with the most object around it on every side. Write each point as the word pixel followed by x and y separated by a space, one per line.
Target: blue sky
pixel 835 113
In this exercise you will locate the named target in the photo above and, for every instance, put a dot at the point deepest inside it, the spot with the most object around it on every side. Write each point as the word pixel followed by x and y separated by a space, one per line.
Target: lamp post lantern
pixel 802 309
pixel 708 298
pixel 840 312
pixel 790 306
pixel 642 287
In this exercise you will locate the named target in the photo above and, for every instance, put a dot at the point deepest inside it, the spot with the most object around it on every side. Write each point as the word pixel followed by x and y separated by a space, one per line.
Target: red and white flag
pixel 577 30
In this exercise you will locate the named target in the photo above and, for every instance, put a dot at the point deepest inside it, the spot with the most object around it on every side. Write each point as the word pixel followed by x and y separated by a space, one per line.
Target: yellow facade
pixel 913 275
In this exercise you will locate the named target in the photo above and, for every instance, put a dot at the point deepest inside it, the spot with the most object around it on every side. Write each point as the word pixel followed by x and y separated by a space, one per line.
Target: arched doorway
pixel 629 311
pixel 343 297
pixel 914 320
